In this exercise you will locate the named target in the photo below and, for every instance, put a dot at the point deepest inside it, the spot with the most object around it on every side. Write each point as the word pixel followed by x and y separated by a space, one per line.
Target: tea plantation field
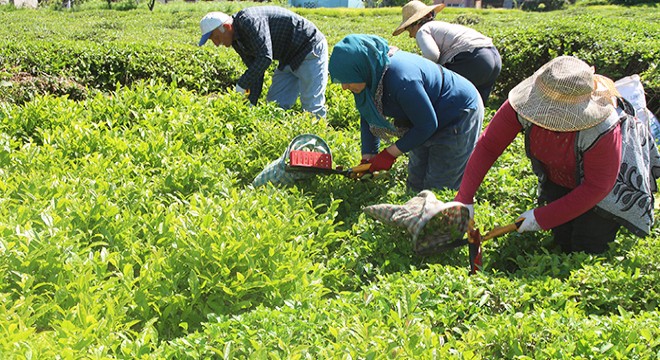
pixel 129 227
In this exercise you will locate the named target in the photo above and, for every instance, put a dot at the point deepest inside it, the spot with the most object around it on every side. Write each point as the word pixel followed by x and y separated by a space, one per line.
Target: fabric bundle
pixel 434 225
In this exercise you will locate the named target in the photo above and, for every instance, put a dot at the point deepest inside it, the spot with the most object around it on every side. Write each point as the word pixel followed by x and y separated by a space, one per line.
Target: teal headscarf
pixel 362 59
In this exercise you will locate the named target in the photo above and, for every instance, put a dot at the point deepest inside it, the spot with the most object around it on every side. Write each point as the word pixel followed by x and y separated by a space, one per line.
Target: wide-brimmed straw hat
pixel 414 11
pixel 564 95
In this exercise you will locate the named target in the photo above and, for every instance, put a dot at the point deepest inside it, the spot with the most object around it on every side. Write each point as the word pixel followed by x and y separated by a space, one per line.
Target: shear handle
pixel 501 230
pixel 361 168
pixel 358 171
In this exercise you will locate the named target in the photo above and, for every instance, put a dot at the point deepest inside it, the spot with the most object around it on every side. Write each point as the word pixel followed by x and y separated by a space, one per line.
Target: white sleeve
pixel 427 44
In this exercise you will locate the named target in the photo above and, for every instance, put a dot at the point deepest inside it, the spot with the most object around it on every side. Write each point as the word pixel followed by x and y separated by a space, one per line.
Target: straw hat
pixel 414 11
pixel 564 95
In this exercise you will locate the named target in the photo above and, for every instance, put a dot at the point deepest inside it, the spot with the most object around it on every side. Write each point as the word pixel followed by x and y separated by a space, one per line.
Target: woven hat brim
pixel 416 16
pixel 536 107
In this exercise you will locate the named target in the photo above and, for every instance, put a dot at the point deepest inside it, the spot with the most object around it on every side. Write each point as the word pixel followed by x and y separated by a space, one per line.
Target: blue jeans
pixel 440 161
pixel 308 81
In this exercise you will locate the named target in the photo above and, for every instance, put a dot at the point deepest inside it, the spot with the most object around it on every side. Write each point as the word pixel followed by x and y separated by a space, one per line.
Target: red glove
pixel 382 161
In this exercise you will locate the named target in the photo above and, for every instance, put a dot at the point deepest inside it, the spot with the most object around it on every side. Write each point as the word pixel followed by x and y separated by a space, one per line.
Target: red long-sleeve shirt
pixel 556 152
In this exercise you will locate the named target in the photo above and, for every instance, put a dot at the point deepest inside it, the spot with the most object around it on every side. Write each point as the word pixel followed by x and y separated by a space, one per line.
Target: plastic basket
pixel 310 159
pixel 306 156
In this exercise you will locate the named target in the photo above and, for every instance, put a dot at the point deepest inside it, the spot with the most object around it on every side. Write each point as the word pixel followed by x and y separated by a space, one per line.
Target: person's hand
pixel 529 224
pixel 382 161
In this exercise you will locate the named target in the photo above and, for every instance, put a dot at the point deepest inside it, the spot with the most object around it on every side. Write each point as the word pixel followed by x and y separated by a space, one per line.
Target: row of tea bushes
pixel 617 41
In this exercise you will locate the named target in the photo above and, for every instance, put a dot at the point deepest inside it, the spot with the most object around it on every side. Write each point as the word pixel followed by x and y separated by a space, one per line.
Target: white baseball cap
pixel 210 22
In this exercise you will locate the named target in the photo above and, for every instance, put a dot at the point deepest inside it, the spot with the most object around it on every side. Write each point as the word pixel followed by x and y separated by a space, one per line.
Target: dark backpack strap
pixel 627 107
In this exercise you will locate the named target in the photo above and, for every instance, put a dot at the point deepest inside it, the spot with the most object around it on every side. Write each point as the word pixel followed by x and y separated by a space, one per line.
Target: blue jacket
pixel 422 95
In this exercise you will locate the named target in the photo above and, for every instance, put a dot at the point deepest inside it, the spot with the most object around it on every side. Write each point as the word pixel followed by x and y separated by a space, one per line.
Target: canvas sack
pixel 434 225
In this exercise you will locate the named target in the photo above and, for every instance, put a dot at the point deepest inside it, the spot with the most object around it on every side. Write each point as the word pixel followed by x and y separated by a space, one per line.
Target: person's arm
pixel 601 168
pixel 497 136
pixel 369 143
pixel 427 45
pixel 255 36
pixel 415 102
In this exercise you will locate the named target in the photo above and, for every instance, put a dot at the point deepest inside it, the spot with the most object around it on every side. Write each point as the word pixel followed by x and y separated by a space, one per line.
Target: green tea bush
pixel 543 5
pixel 630 51
pixel 129 227
pixel 21 87
pixel 190 213
pixel 616 2
pixel 103 67
pixel 611 39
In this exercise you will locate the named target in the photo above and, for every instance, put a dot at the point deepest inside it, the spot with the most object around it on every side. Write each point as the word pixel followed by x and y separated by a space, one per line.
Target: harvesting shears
pixel 321 163
pixel 360 172
pixel 475 239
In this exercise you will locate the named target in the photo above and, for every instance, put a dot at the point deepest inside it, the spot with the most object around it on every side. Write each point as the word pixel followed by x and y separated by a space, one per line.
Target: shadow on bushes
pixel 23 87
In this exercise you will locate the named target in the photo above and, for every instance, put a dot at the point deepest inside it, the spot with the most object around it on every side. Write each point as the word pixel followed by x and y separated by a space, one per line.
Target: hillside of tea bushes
pixel 99 48
pixel 129 227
